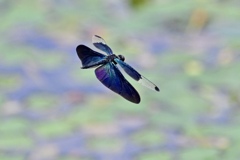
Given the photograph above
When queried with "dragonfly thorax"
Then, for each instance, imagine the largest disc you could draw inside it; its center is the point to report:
(111, 58)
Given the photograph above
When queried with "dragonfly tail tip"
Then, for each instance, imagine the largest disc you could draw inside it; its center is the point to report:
(157, 89)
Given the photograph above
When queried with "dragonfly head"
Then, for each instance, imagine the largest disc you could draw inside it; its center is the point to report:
(121, 57)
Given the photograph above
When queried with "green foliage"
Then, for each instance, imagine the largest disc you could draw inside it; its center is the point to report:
(200, 154)
(148, 138)
(154, 156)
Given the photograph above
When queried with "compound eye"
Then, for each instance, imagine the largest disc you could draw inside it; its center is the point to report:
(121, 57)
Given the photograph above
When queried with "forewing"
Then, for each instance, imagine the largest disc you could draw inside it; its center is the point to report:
(112, 78)
(136, 76)
(99, 43)
(88, 56)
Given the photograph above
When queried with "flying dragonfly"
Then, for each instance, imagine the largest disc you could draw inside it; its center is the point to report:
(108, 73)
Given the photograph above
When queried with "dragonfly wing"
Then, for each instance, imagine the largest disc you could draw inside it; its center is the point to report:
(112, 78)
(89, 57)
(136, 76)
(99, 43)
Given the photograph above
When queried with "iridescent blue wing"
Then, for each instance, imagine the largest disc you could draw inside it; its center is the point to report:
(112, 78)
(136, 76)
(89, 57)
(99, 43)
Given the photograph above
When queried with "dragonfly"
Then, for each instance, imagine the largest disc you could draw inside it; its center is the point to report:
(107, 71)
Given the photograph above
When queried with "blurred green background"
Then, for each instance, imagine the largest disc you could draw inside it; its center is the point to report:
(51, 109)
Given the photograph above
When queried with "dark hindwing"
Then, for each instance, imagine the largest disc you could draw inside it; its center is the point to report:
(112, 78)
(88, 56)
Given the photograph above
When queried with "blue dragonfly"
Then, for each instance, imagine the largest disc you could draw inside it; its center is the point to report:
(108, 73)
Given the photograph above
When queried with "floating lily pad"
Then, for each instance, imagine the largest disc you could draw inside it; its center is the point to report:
(200, 154)
(105, 144)
(148, 137)
(10, 82)
(42, 101)
(55, 128)
(154, 156)
(16, 140)
(14, 125)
